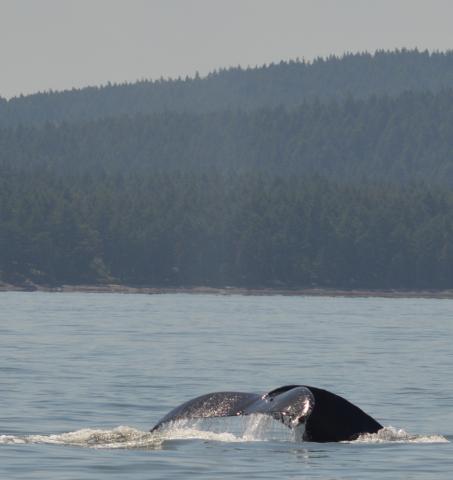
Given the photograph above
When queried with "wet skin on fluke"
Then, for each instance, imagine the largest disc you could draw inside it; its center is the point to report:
(326, 417)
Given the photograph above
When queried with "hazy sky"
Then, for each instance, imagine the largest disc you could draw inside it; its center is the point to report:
(58, 44)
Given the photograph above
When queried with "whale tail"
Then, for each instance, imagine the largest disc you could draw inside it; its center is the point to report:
(327, 417)
(335, 419)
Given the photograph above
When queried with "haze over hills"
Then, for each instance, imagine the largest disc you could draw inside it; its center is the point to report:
(399, 140)
(287, 84)
(335, 173)
(382, 117)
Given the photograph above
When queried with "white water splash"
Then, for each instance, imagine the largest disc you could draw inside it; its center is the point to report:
(241, 429)
(11, 440)
(253, 428)
(120, 437)
(188, 433)
(264, 428)
(394, 435)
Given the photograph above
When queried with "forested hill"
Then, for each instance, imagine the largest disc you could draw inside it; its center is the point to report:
(286, 84)
(249, 230)
(393, 140)
(336, 173)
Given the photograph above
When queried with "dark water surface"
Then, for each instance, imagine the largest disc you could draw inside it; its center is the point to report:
(83, 377)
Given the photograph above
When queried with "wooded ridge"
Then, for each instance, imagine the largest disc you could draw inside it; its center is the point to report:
(336, 173)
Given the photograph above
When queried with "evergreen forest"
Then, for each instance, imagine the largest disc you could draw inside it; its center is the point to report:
(336, 173)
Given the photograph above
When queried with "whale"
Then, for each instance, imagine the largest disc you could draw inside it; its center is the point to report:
(322, 415)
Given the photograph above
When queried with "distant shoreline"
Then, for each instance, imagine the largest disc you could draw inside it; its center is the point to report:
(309, 292)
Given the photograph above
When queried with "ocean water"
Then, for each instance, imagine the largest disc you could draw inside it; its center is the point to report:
(83, 377)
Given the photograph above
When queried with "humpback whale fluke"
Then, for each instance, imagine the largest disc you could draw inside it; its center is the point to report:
(327, 417)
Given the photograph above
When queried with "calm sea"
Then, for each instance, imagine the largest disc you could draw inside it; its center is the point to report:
(83, 378)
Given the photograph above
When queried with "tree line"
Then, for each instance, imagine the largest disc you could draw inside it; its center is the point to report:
(403, 139)
(285, 84)
(216, 228)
